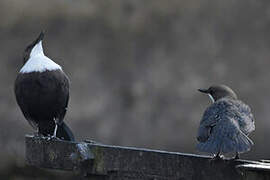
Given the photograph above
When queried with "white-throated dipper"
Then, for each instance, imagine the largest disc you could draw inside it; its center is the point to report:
(226, 124)
(42, 92)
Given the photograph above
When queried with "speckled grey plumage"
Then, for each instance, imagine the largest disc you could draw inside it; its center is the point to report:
(225, 127)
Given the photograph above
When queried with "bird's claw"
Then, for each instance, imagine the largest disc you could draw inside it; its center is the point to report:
(236, 156)
(49, 138)
(217, 157)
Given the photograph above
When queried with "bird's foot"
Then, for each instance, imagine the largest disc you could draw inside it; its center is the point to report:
(50, 138)
(217, 157)
(237, 156)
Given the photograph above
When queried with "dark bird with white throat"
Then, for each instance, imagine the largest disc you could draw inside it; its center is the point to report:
(42, 92)
(226, 123)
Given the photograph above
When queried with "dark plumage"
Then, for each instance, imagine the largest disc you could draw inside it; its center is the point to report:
(42, 93)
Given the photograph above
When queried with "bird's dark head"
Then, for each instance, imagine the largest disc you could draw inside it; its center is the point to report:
(27, 51)
(217, 92)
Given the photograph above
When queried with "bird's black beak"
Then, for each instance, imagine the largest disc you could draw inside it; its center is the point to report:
(37, 40)
(40, 38)
(28, 49)
(203, 91)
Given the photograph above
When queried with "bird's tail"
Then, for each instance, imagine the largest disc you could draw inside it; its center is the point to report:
(226, 142)
(238, 143)
(241, 143)
(64, 132)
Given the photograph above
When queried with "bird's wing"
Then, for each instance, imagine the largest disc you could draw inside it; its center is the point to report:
(64, 88)
(18, 89)
(226, 137)
(245, 118)
(223, 127)
(211, 117)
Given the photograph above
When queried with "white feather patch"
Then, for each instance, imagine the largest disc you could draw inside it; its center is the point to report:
(211, 97)
(38, 62)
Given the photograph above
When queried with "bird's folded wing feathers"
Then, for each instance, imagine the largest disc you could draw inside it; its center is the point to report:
(246, 120)
(226, 137)
(212, 114)
(210, 118)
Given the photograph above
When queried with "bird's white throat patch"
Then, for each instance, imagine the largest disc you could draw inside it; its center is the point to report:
(211, 97)
(38, 62)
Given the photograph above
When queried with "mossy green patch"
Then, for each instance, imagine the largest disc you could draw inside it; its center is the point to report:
(98, 165)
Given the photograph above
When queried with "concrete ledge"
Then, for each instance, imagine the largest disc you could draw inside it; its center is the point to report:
(100, 161)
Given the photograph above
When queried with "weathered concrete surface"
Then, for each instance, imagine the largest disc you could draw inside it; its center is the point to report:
(112, 162)
(259, 171)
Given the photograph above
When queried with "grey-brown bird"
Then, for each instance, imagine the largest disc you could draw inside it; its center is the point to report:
(225, 124)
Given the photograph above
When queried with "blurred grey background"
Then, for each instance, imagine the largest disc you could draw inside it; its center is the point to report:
(135, 67)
